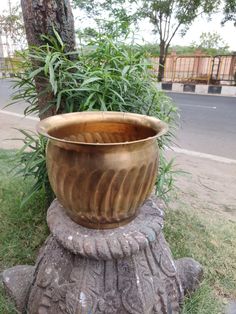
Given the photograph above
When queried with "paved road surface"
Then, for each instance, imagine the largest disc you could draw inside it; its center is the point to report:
(9, 123)
(208, 123)
(5, 92)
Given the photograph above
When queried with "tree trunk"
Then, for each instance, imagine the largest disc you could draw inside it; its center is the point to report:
(162, 60)
(40, 16)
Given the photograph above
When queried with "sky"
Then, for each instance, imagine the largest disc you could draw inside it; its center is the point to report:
(227, 32)
(200, 25)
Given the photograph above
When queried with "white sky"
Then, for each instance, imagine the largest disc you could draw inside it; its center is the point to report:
(200, 25)
(228, 32)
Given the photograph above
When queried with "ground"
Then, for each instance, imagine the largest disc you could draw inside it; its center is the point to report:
(201, 223)
(200, 218)
(194, 227)
(207, 187)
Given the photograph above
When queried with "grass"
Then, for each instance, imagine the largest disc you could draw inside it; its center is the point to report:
(210, 240)
(22, 230)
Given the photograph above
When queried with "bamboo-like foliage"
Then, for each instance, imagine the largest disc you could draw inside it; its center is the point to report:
(31, 163)
(103, 75)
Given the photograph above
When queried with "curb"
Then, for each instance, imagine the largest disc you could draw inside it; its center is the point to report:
(200, 89)
(202, 155)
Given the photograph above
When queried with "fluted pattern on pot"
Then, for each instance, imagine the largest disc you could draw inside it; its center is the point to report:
(102, 165)
(113, 195)
(101, 137)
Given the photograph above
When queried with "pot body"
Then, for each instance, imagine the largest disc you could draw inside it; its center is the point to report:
(102, 186)
(102, 165)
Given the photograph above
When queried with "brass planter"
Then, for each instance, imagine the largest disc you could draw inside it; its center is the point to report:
(102, 165)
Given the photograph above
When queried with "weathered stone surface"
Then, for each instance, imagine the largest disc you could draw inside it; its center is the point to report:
(127, 270)
(17, 281)
(190, 273)
(111, 243)
(142, 283)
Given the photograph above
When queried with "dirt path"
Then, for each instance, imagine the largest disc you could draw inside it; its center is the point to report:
(209, 186)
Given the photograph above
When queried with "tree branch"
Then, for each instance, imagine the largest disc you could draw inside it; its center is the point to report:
(173, 34)
(168, 20)
(160, 25)
(165, 27)
(180, 23)
(155, 21)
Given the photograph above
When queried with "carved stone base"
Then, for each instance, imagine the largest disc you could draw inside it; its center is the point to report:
(127, 270)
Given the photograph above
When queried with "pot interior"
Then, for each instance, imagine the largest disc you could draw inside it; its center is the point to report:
(102, 132)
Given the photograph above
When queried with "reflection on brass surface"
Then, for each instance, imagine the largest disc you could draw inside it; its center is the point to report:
(102, 165)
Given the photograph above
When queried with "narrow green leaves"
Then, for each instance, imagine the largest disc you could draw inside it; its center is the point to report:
(103, 75)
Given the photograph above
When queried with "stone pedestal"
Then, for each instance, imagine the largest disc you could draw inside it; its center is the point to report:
(127, 270)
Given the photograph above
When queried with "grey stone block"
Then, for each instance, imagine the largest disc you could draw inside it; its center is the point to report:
(231, 308)
(214, 89)
(189, 88)
(166, 86)
(17, 281)
(190, 273)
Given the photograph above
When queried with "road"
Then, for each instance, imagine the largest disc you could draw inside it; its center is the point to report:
(5, 95)
(207, 123)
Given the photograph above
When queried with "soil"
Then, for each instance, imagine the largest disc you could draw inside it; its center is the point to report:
(208, 186)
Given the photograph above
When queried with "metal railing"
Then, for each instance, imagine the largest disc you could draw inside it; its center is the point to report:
(193, 69)
(199, 69)
(224, 68)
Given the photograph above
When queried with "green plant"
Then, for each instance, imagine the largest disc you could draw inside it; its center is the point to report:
(203, 301)
(165, 181)
(103, 75)
(31, 158)
(23, 230)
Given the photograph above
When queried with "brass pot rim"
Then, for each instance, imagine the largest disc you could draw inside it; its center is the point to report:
(44, 126)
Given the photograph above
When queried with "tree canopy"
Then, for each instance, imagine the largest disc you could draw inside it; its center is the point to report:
(167, 16)
(212, 43)
(229, 11)
(12, 27)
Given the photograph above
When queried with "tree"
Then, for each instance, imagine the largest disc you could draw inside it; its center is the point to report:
(229, 11)
(167, 17)
(110, 16)
(42, 18)
(212, 43)
(170, 16)
(12, 27)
